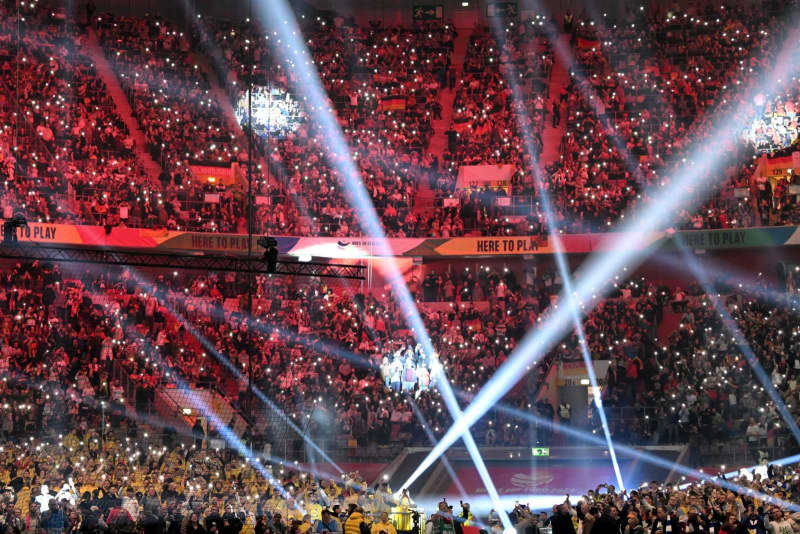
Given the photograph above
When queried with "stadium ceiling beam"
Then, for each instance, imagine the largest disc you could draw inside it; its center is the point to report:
(175, 260)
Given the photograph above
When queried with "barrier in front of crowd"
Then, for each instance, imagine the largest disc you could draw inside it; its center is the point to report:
(365, 248)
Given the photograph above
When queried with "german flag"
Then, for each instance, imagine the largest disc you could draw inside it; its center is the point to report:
(393, 103)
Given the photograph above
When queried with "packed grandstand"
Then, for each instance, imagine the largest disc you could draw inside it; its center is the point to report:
(70, 156)
(141, 399)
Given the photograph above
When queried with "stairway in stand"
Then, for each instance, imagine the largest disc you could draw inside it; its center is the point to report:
(446, 96)
(123, 107)
(670, 322)
(551, 137)
(425, 196)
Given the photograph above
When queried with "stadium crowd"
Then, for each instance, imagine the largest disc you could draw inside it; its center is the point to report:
(703, 383)
(384, 84)
(182, 122)
(635, 104)
(75, 483)
(68, 343)
(697, 507)
(350, 360)
(61, 133)
(654, 79)
(593, 182)
(84, 353)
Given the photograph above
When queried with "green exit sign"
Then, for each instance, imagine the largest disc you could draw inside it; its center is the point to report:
(540, 451)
